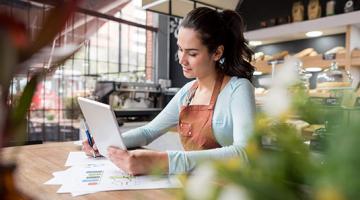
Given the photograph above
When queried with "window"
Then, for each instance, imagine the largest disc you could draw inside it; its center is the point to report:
(110, 51)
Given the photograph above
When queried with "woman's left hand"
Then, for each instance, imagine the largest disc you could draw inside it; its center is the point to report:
(139, 161)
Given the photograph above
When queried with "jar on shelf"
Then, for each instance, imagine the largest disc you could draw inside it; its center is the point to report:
(330, 7)
(314, 9)
(297, 11)
(334, 77)
(304, 76)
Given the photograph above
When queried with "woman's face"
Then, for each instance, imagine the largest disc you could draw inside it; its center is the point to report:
(194, 57)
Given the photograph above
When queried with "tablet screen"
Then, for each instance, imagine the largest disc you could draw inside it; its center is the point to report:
(102, 125)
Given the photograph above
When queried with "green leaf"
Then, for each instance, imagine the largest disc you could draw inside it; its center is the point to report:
(19, 111)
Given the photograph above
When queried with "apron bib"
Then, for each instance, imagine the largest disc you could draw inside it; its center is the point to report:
(195, 121)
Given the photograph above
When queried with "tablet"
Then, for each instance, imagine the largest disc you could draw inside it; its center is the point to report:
(102, 125)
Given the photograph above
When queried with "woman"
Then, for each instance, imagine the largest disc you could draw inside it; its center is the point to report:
(214, 114)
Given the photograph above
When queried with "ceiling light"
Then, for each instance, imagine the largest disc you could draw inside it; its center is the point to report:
(313, 69)
(314, 34)
(255, 43)
(257, 73)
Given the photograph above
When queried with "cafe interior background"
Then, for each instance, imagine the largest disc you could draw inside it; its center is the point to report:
(128, 56)
(127, 59)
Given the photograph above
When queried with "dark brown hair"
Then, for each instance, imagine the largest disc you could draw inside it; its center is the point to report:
(223, 28)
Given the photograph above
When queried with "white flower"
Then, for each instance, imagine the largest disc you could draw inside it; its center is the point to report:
(200, 185)
(278, 100)
(234, 192)
(287, 74)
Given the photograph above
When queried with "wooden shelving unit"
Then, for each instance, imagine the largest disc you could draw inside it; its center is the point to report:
(315, 61)
(355, 58)
(328, 25)
(348, 23)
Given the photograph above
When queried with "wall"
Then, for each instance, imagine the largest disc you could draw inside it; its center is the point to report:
(162, 49)
(176, 74)
(255, 11)
(321, 45)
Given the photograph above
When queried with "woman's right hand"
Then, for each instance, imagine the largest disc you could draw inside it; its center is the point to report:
(90, 151)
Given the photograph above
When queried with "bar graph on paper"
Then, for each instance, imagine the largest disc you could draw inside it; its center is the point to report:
(89, 175)
(92, 177)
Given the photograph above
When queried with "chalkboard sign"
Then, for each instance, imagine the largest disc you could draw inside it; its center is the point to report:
(176, 74)
(317, 100)
(327, 101)
(332, 101)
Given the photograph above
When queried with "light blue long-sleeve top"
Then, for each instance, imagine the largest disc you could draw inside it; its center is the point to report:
(232, 123)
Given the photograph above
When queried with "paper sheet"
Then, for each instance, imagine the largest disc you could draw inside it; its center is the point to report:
(89, 175)
(59, 178)
(105, 177)
(80, 158)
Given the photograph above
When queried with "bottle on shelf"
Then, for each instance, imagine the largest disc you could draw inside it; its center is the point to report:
(297, 11)
(314, 9)
(330, 7)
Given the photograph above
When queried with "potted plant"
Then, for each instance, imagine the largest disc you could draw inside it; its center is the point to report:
(16, 54)
(287, 169)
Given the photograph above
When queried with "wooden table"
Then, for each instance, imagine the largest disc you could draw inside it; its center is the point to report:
(36, 163)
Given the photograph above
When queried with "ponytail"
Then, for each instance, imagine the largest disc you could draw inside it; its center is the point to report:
(223, 28)
(237, 55)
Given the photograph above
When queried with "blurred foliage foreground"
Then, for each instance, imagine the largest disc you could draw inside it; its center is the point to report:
(287, 169)
(20, 52)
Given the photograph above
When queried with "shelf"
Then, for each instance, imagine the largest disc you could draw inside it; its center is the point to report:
(318, 61)
(355, 58)
(355, 53)
(139, 90)
(314, 61)
(355, 62)
(329, 25)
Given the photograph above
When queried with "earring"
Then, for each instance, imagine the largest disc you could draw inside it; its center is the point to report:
(222, 61)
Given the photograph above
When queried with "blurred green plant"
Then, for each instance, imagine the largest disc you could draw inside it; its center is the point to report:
(17, 52)
(72, 108)
(286, 169)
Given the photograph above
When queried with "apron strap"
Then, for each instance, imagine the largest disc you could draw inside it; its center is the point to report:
(216, 90)
(191, 93)
(214, 95)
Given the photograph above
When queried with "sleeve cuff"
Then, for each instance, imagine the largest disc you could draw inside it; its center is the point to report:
(178, 162)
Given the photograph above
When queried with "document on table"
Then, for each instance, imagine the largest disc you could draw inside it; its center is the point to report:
(89, 175)
(80, 158)
(108, 177)
(59, 178)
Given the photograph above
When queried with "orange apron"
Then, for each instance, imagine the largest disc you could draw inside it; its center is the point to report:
(195, 121)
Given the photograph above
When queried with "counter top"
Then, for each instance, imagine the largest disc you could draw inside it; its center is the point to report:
(36, 163)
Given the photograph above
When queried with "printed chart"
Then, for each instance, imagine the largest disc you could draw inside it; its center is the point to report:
(93, 177)
(123, 180)
(87, 175)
